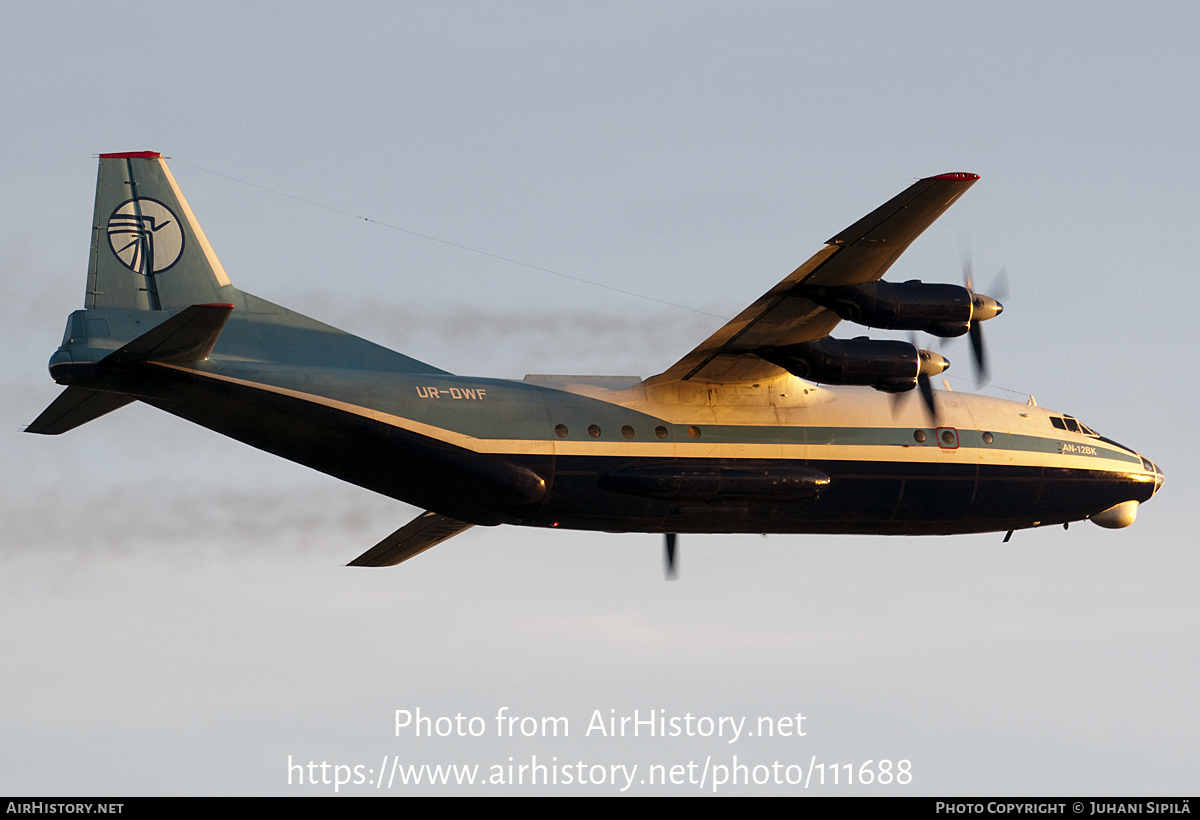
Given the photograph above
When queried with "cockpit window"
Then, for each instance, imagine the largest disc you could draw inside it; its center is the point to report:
(1074, 425)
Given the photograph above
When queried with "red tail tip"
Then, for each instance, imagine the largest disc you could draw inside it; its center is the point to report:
(133, 155)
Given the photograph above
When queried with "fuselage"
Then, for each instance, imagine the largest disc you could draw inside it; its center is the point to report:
(563, 452)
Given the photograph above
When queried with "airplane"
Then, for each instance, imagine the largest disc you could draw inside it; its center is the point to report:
(768, 426)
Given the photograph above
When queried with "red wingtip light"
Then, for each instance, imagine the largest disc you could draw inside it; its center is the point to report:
(133, 155)
(958, 177)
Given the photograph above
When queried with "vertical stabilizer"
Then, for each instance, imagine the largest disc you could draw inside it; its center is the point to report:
(148, 251)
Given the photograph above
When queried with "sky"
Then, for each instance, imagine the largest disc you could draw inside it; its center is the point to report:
(439, 178)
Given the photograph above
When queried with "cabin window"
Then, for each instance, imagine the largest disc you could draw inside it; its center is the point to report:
(627, 431)
(660, 431)
(560, 430)
(694, 432)
(919, 436)
(987, 438)
(593, 431)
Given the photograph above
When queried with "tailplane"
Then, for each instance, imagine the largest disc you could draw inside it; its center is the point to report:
(76, 406)
(186, 337)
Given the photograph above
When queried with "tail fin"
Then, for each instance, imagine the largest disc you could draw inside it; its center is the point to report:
(149, 254)
(148, 251)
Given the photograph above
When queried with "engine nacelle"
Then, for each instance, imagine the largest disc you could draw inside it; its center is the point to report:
(943, 310)
(885, 365)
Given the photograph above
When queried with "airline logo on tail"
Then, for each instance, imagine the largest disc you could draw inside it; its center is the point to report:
(145, 235)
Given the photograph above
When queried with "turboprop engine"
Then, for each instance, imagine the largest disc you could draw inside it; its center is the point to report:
(943, 310)
(890, 366)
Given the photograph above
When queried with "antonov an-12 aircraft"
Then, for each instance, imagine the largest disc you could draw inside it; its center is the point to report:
(769, 426)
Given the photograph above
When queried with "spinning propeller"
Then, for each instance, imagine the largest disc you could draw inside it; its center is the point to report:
(928, 364)
(982, 309)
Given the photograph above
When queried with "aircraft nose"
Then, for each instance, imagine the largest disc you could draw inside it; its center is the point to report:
(1151, 467)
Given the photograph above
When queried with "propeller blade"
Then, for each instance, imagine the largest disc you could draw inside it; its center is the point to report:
(927, 393)
(964, 255)
(669, 569)
(999, 289)
(981, 368)
(928, 364)
(989, 307)
(925, 388)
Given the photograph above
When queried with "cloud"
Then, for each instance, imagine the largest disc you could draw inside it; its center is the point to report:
(67, 526)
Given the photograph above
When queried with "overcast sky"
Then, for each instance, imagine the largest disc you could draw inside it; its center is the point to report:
(176, 619)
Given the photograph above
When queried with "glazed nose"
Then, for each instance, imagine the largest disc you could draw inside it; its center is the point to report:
(1153, 468)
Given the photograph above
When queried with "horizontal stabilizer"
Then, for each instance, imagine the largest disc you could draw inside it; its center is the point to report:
(188, 336)
(76, 406)
(426, 530)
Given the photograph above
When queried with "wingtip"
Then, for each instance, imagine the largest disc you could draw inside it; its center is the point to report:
(959, 177)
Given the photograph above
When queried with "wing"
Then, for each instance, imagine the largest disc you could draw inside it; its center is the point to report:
(861, 253)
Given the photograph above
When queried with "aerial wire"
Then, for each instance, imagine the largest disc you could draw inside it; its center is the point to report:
(980, 385)
(467, 248)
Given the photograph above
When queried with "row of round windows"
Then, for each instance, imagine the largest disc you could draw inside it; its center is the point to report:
(561, 431)
(949, 437)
